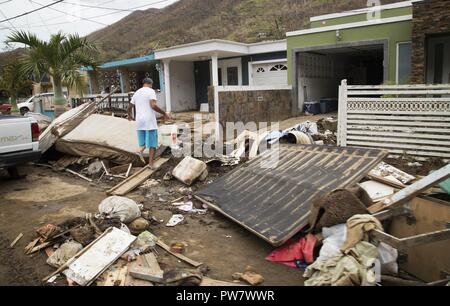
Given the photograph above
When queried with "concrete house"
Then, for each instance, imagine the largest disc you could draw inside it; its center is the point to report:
(364, 46)
(190, 69)
(182, 74)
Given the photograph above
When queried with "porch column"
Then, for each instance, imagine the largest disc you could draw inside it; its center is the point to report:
(122, 84)
(215, 83)
(167, 85)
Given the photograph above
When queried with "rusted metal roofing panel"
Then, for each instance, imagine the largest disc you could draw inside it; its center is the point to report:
(275, 203)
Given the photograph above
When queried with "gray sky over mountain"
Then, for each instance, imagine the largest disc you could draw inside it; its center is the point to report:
(69, 16)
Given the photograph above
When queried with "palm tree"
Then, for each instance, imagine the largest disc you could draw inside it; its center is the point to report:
(13, 81)
(60, 57)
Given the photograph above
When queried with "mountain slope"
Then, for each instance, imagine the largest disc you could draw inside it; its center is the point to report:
(193, 20)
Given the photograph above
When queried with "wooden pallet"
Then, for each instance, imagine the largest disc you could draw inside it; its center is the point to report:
(135, 180)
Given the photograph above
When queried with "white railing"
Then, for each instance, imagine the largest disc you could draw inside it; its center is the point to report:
(404, 119)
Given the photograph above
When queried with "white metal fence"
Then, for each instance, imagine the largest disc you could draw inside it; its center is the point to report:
(405, 119)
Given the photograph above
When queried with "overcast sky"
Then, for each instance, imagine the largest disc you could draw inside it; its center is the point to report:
(69, 16)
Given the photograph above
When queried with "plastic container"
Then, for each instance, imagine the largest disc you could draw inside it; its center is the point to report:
(168, 135)
(312, 107)
(328, 105)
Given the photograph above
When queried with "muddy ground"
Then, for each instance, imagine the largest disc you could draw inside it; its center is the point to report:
(46, 196)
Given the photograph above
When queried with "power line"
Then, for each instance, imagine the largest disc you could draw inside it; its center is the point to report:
(32, 11)
(5, 1)
(133, 9)
(100, 7)
(52, 8)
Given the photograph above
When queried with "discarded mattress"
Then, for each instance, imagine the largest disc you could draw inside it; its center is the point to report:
(105, 137)
(64, 124)
(275, 203)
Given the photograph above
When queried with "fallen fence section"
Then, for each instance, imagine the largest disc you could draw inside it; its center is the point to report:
(405, 119)
(275, 203)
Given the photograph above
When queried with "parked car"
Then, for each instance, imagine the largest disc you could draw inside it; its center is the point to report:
(32, 104)
(19, 142)
(5, 108)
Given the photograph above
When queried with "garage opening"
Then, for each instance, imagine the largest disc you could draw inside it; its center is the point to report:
(320, 72)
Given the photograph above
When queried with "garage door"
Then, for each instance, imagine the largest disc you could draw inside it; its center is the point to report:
(270, 74)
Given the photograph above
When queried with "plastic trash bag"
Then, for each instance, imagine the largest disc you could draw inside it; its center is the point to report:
(123, 208)
(335, 237)
(388, 259)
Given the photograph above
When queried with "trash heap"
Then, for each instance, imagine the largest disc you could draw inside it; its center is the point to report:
(111, 248)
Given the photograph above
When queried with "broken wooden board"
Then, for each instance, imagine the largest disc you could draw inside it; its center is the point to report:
(135, 180)
(209, 282)
(413, 190)
(152, 272)
(426, 261)
(179, 256)
(99, 256)
(275, 202)
(134, 282)
(16, 240)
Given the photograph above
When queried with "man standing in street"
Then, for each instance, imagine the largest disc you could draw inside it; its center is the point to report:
(144, 101)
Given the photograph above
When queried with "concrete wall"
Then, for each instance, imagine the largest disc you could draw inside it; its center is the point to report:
(431, 17)
(253, 105)
(182, 86)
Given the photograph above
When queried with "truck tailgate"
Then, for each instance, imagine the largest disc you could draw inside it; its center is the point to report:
(15, 134)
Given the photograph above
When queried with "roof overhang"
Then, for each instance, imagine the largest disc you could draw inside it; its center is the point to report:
(364, 10)
(351, 25)
(125, 62)
(204, 50)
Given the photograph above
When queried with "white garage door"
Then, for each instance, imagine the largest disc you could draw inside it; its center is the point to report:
(270, 74)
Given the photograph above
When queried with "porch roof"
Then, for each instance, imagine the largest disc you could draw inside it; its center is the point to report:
(124, 62)
(203, 50)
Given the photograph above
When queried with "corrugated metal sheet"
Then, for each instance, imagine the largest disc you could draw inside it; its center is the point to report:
(275, 203)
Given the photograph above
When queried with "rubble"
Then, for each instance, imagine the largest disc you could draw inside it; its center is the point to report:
(188, 170)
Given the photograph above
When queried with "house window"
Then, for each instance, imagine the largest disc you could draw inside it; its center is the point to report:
(279, 67)
(260, 70)
(438, 63)
(232, 76)
(403, 63)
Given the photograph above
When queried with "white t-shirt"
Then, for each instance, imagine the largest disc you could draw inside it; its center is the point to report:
(145, 115)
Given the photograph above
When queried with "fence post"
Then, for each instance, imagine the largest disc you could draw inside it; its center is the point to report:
(342, 115)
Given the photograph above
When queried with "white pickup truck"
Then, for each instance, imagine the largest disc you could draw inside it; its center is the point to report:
(19, 142)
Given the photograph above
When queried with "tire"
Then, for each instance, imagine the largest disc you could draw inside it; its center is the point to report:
(14, 173)
(24, 110)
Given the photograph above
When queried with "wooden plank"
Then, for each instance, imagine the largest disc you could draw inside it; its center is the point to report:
(64, 267)
(209, 282)
(413, 190)
(79, 175)
(427, 238)
(135, 180)
(383, 180)
(16, 240)
(150, 272)
(179, 256)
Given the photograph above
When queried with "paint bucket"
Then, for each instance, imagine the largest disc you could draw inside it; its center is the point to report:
(168, 135)
(297, 137)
